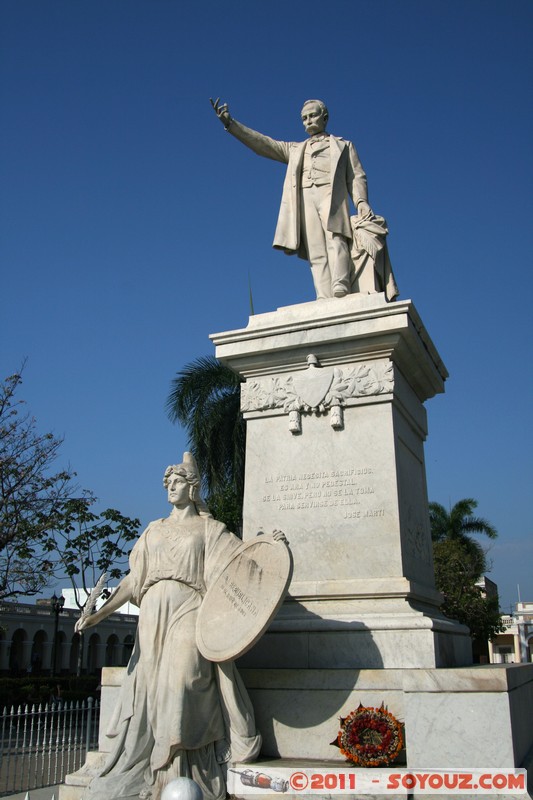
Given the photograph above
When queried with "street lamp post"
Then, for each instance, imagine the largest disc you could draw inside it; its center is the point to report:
(56, 604)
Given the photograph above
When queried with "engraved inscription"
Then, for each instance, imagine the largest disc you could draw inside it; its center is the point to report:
(242, 602)
(351, 489)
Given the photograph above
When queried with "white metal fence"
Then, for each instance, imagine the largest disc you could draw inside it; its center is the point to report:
(42, 744)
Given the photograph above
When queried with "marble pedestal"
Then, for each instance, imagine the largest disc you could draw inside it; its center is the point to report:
(463, 719)
(478, 716)
(333, 400)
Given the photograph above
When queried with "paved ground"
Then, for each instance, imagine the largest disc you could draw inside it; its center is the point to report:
(36, 794)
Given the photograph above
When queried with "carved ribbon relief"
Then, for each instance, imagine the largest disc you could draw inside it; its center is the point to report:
(316, 390)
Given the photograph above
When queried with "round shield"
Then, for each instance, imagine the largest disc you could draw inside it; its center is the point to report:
(241, 602)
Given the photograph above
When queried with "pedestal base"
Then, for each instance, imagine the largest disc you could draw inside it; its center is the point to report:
(465, 717)
(390, 634)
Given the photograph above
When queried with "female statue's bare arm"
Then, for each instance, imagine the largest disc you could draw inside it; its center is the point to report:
(123, 594)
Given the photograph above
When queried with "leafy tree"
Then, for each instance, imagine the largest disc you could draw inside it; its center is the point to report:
(31, 495)
(458, 525)
(459, 562)
(226, 506)
(84, 544)
(205, 399)
(46, 532)
(456, 573)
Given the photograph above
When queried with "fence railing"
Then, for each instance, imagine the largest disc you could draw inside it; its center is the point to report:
(42, 744)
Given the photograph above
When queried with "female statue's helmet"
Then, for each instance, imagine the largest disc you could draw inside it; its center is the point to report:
(188, 470)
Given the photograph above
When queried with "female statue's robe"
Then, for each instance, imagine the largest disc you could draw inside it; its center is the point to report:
(175, 705)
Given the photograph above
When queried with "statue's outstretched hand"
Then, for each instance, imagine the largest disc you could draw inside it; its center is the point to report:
(221, 110)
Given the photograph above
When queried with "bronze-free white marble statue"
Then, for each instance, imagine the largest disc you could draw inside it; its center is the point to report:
(323, 173)
(179, 714)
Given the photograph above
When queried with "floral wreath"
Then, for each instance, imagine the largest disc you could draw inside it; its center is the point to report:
(370, 736)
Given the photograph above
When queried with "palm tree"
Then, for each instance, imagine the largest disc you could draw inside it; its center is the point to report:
(457, 525)
(459, 562)
(205, 399)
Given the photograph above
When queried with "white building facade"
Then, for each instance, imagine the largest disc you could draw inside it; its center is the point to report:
(515, 644)
(28, 634)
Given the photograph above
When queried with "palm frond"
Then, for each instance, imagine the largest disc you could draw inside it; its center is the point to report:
(205, 399)
(459, 523)
(90, 603)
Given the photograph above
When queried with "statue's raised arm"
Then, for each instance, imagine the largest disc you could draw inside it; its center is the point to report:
(323, 174)
(258, 142)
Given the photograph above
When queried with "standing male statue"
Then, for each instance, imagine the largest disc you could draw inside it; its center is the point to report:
(322, 174)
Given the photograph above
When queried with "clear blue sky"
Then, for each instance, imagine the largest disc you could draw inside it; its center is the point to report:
(131, 221)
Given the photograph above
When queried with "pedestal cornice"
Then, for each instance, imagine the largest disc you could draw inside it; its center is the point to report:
(353, 329)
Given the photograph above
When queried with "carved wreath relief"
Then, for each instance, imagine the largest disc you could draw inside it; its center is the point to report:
(317, 390)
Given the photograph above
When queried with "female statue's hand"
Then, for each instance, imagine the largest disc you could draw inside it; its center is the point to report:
(81, 624)
(279, 536)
